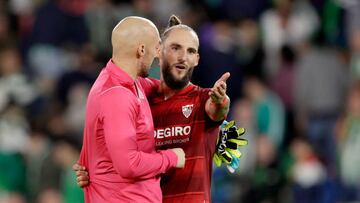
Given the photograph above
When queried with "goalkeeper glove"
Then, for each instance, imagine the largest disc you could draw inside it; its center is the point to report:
(234, 164)
(227, 145)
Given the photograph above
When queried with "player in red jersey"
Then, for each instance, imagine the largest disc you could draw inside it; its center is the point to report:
(184, 115)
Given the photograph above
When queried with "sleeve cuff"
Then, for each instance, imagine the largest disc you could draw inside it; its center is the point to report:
(171, 157)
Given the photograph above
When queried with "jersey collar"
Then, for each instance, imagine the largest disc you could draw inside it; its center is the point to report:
(123, 77)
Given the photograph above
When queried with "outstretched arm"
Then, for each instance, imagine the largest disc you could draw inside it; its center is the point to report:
(217, 106)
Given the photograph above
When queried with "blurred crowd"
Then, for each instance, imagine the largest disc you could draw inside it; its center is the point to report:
(294, 86)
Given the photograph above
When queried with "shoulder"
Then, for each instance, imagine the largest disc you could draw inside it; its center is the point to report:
(118, 101)
(118, 95)
(149, 85)
(116, 89)
(148, 82)
(203, 93)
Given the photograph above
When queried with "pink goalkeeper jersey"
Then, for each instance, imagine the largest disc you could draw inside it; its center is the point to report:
(118, 147)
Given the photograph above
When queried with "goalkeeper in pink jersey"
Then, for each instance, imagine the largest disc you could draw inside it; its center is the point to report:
(185, 116)
(118, 146)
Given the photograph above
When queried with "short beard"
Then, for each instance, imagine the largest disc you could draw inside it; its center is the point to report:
(171, 81)
(144, 72)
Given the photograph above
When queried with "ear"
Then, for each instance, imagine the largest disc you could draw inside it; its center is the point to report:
(141, 50)
(197, 59)
(161, 51)
(158, 51)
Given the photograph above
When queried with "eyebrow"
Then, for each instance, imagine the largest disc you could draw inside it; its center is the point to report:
(178, 45)
(175, 44)
(192, 49)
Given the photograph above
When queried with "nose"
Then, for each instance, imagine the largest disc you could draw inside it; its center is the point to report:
(182, 56)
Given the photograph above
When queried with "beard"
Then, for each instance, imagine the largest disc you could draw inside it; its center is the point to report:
(144, 71)
(170, 79)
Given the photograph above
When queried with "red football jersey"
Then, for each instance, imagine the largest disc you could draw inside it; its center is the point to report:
(181, 121)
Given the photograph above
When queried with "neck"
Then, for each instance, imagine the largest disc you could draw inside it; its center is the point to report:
(126, 65)
(168, 92)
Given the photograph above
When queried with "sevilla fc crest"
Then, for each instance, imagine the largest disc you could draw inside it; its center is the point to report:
(187, 109)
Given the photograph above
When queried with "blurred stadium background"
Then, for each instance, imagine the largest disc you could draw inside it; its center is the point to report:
(295, 70)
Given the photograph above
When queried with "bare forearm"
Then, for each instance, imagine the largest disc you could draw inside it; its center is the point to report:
(217, 106)
(217, 111)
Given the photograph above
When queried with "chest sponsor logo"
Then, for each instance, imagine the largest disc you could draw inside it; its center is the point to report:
(172, 135)
(187, 110)
(172, 131)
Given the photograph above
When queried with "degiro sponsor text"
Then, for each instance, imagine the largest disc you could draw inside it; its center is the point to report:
(172, 131)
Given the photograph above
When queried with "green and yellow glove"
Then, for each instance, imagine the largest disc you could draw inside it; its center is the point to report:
(227, 145)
